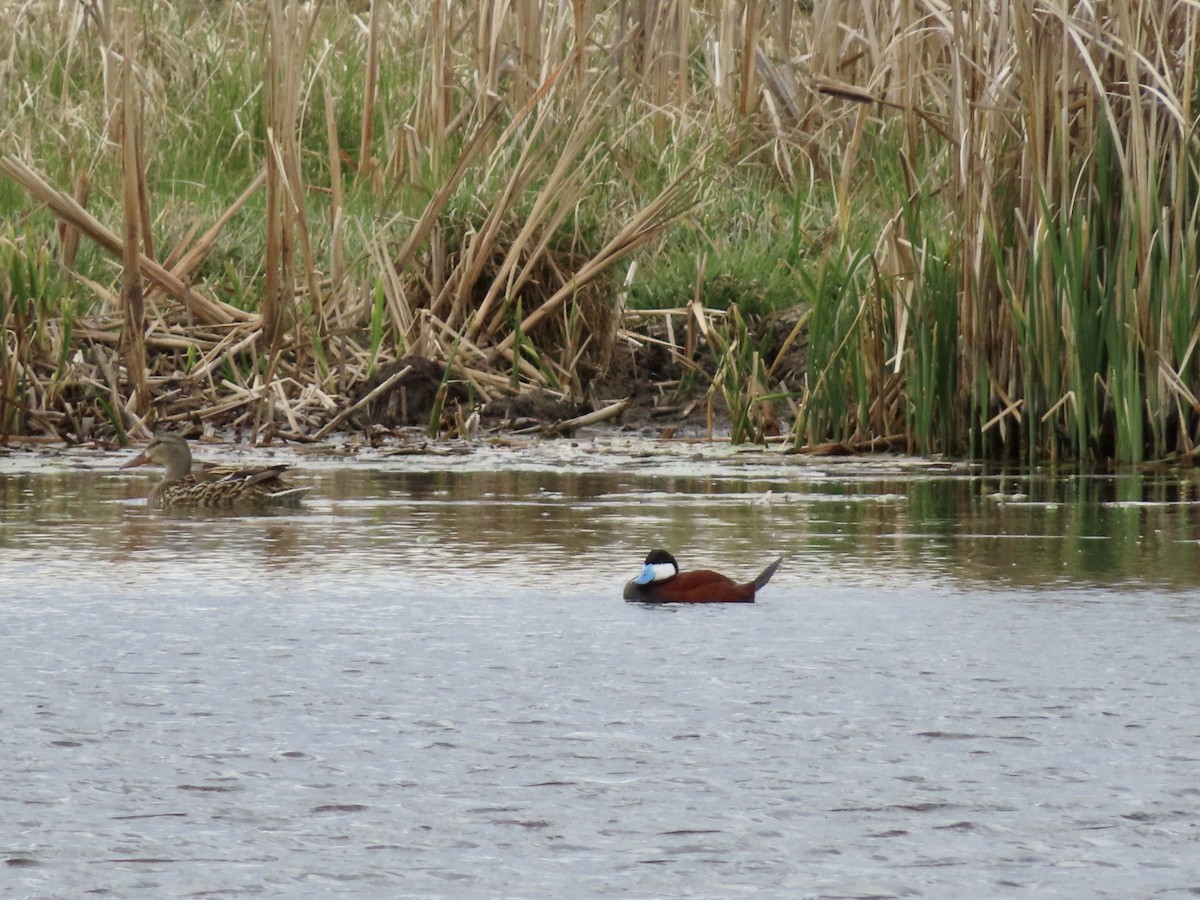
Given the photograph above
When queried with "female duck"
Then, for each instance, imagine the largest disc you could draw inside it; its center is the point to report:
(662, 582)
(214, 487)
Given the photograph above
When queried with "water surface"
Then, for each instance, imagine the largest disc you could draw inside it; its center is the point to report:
(425, 683)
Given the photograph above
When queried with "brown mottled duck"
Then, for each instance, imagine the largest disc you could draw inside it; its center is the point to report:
(215, 487)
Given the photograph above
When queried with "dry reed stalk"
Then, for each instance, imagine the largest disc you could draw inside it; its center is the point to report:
(101, 13)
(580, 31)
(500, 384)
(664, 210)
(370, 96)
(233, 344)
(69, 234)
(287, 50)
(441, 71)
(531, 52)
(437, 203)
(722, 60)
(106, 296)
(207, 311)
(399, 311)
(746, 86)
(708, 312)
(593, 418)
(461, 340)
(378, 391)
(180, 246)
(638, 339)
(444, 343)
(481, 246)
(242, 397)
(282, 401)
(188, 260)
(487, 53)
(558, 194)
(683, 14)
(96, 335)
(695, 318)
(337, 243)
(476, 378)
(133, 175)
(279, 113)
(544, 88)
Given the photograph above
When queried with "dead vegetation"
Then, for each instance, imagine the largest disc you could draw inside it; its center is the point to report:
(434, 316)
(291, 218)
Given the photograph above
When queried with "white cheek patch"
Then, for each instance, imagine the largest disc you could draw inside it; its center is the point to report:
(655, 572)
(663, 571)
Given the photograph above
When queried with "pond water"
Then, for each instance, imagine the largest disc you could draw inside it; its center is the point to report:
(425, 683)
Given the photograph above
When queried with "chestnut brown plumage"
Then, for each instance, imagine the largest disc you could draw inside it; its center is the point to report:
(662, 582)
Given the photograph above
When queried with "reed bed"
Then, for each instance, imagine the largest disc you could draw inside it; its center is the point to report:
(272, 216)
(1034, 294)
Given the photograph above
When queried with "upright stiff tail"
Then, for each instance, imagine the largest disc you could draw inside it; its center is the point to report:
(770, 570)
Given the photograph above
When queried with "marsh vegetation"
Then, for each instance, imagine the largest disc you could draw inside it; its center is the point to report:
(975, 226)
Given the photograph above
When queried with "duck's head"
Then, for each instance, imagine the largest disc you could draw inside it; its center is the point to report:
(169, 451)
(659, 566)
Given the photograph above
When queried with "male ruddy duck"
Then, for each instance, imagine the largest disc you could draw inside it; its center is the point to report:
(662, 582)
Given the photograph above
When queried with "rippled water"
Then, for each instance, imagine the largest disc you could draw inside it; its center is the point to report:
(425, 683)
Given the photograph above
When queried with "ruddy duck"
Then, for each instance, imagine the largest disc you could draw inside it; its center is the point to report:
(662, 582)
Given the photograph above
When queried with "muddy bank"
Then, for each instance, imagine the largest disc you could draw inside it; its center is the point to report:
(650, 384)
(664, 377)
